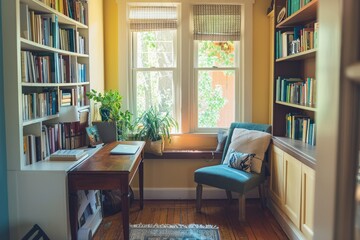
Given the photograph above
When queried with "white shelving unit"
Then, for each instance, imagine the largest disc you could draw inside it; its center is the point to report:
(38, 191)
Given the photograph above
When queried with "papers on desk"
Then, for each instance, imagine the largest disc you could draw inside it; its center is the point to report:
(68, 155)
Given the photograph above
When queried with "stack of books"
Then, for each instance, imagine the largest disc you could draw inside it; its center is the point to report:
(68, 155)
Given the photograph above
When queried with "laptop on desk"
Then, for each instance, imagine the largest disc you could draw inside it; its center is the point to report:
(124, 149)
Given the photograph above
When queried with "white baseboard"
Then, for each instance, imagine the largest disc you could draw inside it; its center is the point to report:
(188, 193)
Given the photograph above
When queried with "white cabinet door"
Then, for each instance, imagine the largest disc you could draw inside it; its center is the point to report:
(307, 201)
(277, 176)
(292, 194)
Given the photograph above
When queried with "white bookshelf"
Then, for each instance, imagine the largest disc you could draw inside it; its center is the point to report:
(37, 191)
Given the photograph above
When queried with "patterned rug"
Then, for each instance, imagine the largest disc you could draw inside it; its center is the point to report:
(174, 232)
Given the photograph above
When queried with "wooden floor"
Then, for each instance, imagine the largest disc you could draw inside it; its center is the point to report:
(259, 224)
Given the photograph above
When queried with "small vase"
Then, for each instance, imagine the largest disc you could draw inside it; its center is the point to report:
(105, 114)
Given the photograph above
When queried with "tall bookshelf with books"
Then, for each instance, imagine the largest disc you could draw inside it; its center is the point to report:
(46, 72)
(294, 114)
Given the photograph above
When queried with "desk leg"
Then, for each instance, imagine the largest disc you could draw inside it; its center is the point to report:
(125, 206)
(73, 208)
(141, 184)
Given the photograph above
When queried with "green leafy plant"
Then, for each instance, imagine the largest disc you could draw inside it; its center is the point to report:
(153, 125)
(110, 110)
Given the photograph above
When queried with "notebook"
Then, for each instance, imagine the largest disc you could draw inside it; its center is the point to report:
(124, 149)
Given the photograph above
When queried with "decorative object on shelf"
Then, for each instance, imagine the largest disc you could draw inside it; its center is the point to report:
(281, 16)
(154, 127)
(110, 110)
(94, 136)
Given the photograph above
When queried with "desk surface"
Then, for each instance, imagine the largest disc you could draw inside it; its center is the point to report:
(103, 161)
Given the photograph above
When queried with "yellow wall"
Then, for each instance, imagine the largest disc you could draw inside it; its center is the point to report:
(178, 173)
(111, 34)
(261, 65)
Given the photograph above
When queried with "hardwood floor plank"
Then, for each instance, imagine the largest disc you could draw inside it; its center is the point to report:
(259, 224)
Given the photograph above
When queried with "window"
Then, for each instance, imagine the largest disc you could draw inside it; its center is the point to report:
(216, 70)
(216, 66)
(202, 73)
(154, 65)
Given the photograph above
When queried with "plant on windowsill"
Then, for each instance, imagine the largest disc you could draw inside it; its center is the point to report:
(110, 110)
(154, 128)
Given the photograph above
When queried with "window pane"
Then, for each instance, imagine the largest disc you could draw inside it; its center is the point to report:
(216, 98)
(154, 88)
(219, 54)
(155, 49)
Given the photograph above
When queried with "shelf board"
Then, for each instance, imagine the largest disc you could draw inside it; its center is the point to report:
(306, 13)
(24, 84)
(299, 56)
(296, 106)
(41, 7)
(37, 120)
(304, 152)
(30, 45)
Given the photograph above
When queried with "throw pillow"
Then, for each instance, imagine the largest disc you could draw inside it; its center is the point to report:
(249, 141)
(241, 161)
(221, 137)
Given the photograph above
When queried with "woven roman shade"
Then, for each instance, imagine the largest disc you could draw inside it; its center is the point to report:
(217, 22)
(152, 18)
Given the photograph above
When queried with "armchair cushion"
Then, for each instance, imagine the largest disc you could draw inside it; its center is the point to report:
(222, 176)
(249, 141)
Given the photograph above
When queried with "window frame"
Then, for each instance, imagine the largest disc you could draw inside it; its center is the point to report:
(185, 60)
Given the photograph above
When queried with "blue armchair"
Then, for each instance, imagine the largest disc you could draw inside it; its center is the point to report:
(230, 179)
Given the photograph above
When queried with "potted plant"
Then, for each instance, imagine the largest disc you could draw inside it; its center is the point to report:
(110, 110)
(154, 127)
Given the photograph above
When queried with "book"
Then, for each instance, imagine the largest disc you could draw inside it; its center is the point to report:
(24, 21)
(68, 155)
(316, 34)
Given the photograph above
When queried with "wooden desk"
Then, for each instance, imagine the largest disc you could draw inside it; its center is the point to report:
(103, 171)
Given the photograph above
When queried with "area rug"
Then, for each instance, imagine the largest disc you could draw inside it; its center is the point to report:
(174, 232)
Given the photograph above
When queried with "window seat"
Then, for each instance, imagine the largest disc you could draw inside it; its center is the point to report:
(186, 154)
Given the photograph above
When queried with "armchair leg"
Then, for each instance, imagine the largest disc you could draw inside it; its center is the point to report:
(262, 195)
(229, 196)
(198, 197)
(242, 207)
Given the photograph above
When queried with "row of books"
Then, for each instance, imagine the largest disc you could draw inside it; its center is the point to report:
(73, 97)
(65, 136)
(70, 40)
(32, 149)
(296, 90)
(40, 28)
(40, 67)
(37, 105)
(293, 6)
(298, 40)
(300, 127)
(74, 9)
(45, 29)
(53, 137)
